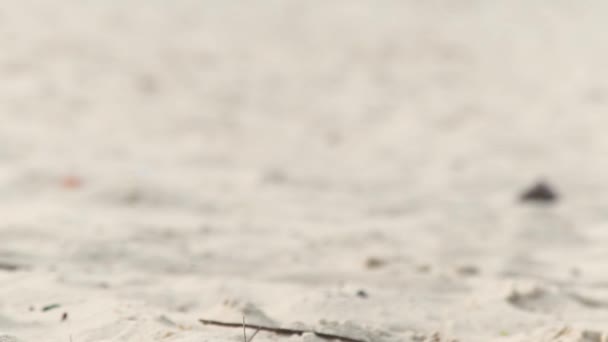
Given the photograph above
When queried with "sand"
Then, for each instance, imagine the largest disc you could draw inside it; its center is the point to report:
(351, 167)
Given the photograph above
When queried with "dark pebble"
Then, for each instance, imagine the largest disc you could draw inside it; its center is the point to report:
(539, 192)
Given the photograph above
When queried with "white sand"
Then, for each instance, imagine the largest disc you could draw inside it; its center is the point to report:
(252, 156)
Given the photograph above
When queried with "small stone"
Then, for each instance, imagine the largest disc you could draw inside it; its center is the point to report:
(539, 192)
(374, 263)
(362, 294)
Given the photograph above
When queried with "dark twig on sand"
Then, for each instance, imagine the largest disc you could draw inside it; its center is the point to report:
(279, 331)
(252, 336)
(50, 307)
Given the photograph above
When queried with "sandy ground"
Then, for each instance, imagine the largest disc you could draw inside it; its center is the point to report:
(346, 166)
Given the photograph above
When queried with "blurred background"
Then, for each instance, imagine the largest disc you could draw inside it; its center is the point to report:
(248, 145)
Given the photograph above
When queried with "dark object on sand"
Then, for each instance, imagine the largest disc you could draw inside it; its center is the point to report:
(281, 331)
(373, 263)
(64, 317)
(50, 307)
(540, 192)
(362, 294)
(9, 267)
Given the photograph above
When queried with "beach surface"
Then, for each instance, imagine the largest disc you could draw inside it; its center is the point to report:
(351, 168)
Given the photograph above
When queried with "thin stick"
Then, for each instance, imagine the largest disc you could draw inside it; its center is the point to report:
(244, 330)
(252, 336)
(280, 331)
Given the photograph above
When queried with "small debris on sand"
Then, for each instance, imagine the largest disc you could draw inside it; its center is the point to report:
(539, 192)
(373, 263)
(9, 267)
(50, 307)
